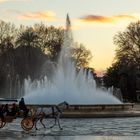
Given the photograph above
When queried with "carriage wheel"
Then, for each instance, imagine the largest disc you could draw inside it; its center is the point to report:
(27, 123)
(2, 123)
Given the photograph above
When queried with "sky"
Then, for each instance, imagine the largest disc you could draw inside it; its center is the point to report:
(94, 22)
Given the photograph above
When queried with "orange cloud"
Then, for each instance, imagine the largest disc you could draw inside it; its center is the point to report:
(106, 19)
(46, 15)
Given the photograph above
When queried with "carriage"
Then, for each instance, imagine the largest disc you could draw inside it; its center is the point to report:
(30, 121)
(27, 123)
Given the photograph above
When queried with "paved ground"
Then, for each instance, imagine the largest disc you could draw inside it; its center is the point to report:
(78, 127)
(74, 138)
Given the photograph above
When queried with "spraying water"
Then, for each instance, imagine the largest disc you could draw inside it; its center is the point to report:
(67, 84)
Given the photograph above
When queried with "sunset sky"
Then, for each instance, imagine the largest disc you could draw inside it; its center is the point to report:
(94, 22)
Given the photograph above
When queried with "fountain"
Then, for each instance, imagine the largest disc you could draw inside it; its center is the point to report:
(67, 84)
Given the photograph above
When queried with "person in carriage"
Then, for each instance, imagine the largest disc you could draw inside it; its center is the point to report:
(1, 112)
(6, 111)
(14, 110)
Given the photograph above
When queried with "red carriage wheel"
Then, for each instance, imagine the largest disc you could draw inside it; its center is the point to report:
(27, 123)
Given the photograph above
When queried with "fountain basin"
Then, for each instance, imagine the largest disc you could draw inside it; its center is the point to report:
(97, 111)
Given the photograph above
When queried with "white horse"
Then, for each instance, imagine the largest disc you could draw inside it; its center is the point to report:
(54, 112)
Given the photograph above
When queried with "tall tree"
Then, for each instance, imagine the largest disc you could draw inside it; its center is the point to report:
(42, 31)
(51, 39)
(54, 41)
(128, 43)
(8, 33)
(127, 61)
(81, 55)
(28, 38)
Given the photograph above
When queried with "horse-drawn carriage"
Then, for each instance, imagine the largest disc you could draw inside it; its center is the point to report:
(30, 121)
(27, 122)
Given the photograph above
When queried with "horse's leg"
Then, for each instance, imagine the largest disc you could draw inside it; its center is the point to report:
(35, 122)
(58, 118)
(54, 123)
(41, 121)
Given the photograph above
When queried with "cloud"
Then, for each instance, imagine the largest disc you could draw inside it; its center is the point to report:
(42, 15)
(12, 11)
(106, 19)
(2, 1)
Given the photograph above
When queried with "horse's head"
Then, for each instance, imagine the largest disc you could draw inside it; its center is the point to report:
(63, 105)
(66, 104)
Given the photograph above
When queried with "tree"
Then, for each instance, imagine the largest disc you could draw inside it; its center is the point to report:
(8, 33)
(128, 53)
(28, 38)
(42, 31)
(127, 61)
(51, 39)
(128, 43)
(111, 77)
(81, 55)
(54, 42)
